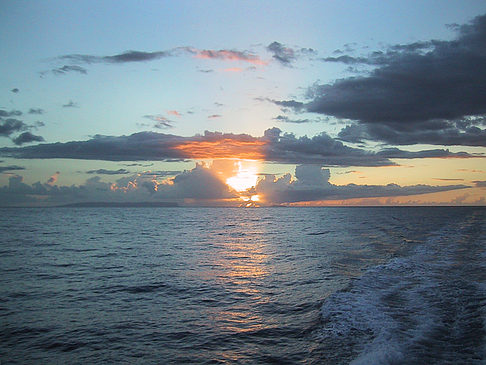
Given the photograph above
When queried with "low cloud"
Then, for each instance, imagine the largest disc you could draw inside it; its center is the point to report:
(312, 184)
(197, 185)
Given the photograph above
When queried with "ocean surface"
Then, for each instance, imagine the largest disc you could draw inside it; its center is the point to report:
(243, 286)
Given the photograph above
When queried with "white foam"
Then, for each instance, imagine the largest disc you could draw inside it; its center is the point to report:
(398, 305)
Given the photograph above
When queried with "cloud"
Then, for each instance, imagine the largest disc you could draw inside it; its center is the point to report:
(12, 113)
(424, 92)
(108, 172)
(174, 113)
(273, 146)
(142, 56)
(11, 168)
(69, 68)
(15, 90)
(161, 121)
(200, 184)
(53, 179)
(286, 55)
(285, 119)
(11, 125)
(71, 104)
(36, 111)
(480, 184)
(312, 184)
(229, 55)
(128, 56)
(27, 137)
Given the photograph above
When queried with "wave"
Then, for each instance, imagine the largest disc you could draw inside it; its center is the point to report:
(428, 307)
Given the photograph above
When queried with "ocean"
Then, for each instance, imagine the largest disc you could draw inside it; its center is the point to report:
(382, 285)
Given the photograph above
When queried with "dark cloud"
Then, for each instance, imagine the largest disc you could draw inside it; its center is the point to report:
(312, 184)
(433, 132)
(128, 56)
(424, 92)
(286, 55)
(11, 168)
(396, 153)
(69, 68)
(291, 104)
(480, 184)
(285, 119)
(27, 137)
(15, 90)
(12, 113)
(71, 104)
(11, 125)
(36, 111)
(108, 172)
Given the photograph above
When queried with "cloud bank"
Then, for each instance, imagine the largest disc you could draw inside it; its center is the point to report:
(203, 185)
(273, 146)
(312, 184)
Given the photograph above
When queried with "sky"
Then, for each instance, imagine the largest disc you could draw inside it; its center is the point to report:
(243, 103)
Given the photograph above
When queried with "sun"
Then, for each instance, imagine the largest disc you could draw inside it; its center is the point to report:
(246, 176)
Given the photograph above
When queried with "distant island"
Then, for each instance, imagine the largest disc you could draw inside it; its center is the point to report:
(120, 205)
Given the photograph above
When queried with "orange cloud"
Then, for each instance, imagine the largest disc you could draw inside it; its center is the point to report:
(233, 69)
(223, 148)
(228, 55)
(174, 112)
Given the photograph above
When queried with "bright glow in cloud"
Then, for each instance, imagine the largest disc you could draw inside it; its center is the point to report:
(246, 177)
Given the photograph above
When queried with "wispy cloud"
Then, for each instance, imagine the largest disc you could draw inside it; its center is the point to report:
(11, 168)
(108, 172)
(70, 104)
(161, 122)
(37, 111)
(229, 55)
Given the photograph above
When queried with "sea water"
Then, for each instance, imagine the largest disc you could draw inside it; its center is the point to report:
(404, 285)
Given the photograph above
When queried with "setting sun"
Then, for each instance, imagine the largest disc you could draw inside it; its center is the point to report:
(246, 176)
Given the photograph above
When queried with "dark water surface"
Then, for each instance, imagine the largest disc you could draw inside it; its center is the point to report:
(224, 285)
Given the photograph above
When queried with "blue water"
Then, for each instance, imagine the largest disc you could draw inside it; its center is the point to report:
(224, 285)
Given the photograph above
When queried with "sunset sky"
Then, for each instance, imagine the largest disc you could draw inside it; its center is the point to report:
(243, 102)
